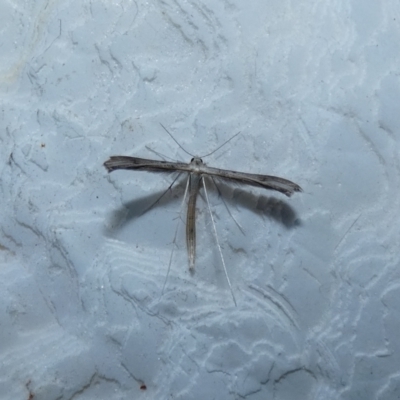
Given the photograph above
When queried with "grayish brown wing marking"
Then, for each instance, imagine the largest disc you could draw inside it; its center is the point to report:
(198, 167)
(125, 162)
(265, 181)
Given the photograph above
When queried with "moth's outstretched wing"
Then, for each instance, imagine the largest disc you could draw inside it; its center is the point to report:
(265, 181)
(143, 164)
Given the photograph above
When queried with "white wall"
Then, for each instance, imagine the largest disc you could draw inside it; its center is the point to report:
(314, 89)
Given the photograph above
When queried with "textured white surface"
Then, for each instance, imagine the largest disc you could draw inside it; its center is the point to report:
(314, 89)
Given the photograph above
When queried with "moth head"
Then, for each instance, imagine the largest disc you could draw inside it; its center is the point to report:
(196, 161)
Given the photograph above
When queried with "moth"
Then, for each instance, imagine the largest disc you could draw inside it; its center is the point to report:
(197, 170)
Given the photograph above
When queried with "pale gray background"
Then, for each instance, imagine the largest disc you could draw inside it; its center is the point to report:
(314, 89)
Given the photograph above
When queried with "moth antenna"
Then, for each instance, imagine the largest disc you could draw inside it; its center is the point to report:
(170, 134)
(222, 145)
